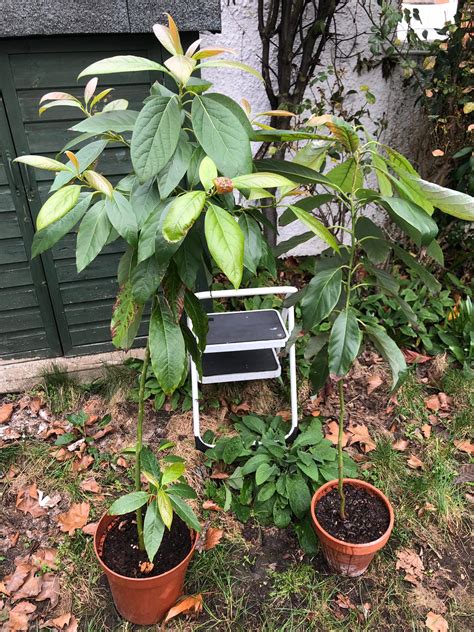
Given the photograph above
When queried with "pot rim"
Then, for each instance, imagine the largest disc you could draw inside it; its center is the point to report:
(357, 482)
(139, 580)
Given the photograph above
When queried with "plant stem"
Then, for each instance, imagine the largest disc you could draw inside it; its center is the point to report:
(340, 462)
(138, 447)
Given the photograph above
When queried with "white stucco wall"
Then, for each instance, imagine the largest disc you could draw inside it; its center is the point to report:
(240, 32)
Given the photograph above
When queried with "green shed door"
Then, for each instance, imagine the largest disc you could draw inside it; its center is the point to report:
(27, 322)
(82, 303)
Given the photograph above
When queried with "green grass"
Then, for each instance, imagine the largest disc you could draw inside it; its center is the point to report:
(61, 391)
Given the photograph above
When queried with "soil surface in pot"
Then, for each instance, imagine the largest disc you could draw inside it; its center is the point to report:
(121, 554)
(367, 516)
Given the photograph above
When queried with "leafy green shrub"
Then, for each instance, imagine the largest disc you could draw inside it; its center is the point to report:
(442, 323)
(272, 481)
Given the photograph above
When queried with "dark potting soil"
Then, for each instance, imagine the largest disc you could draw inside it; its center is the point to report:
(367, 517)
(122, 555)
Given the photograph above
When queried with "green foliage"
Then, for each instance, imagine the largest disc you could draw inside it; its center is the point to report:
(167, 493)
(270, 480)
(443, 322)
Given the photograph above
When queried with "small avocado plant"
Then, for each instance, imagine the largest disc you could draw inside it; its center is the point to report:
(190, 150)
(360, 251)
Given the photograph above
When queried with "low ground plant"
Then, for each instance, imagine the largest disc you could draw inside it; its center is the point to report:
(271, 481)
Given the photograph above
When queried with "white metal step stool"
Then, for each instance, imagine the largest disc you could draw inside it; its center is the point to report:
(241, 345)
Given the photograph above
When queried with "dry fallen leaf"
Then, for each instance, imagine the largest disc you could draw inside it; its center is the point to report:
(61, 455)
(146, 567)
(211, 505)
(444, 401)
(359, 433)
(187, 604)
(213, 537)
(101, 433)
(433, 403)
(58, 622)
(6, 411)
(344, 602)
(426, 430)
(284, 414)
(90, 528)
(49, 589)
(18, 577)
(465, 446)
(401, 445)
(219, 475)
(82, 464)
(31, 587)
(413, 357)
(75, 518)
(20, 616)
(35, 404)
(122, 462)
(436, 622)
(415, 463)
(27, 502)
(331, 433)
(409, 561)
(90, 485)
(373, 382)
(244, 407)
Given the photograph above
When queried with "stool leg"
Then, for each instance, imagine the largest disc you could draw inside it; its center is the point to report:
(199, 443)
(293, 381)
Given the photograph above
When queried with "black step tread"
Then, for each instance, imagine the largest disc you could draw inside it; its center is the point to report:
(251, 326)
(233, 362)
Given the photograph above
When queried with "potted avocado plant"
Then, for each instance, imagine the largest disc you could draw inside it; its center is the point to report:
(175, 212)
(352, 518)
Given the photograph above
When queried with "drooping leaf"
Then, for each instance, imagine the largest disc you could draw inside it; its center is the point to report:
(153, 530)
(380, 169)
(344, 132)
(182, 213)
(221, 135)
(308, 204)
(344, 343)
(129, 502)
(253, 242)
(121, 63)
(121, 216)
(47, 237)
(428, 279)
(155, 136)
(167, 349)
(228, 63)
(299, 495)
(452, 202)
(147, 239)
(188, 258)
(118, 121)
(390, 351)
(291, 243)
(126, 317)
(165, 507)
(225, 241)
(347, 175)
(321, 296)
(372, 240)
(174, 171)
(207, 173)
(198, 316)
(315, 226)
(184, 511)
(192, 174)
(98, 182)
(86, 156)
(57, 205)
(40, 162)
(146, 277)
(144, 198)
(319, 369)
(261, 180)
(292, 171)
(412, 219)
(92, 236)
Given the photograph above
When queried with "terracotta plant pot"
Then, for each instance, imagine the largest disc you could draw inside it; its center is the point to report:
(345, 558)
(143, 601)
